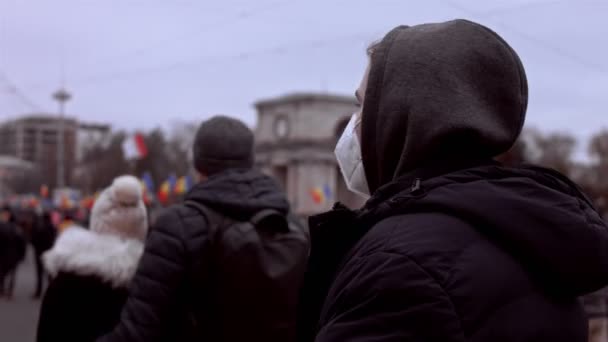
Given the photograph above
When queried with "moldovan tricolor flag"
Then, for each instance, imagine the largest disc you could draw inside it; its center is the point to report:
(134, 147)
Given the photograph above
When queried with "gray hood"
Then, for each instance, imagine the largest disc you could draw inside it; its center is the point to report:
(440, 94)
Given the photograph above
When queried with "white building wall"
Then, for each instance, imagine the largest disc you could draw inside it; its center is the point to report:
(307, 149)
(319, 120)
(307, 121)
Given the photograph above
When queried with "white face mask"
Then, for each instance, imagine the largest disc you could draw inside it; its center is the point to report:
(348, 154)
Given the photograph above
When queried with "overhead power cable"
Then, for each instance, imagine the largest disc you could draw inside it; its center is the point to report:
(13, 90)
(210, 60)
(559, 51)
(224, 22)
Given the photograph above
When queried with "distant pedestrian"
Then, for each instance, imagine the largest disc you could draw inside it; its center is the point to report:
(12, 250)
(92, 269)
(42, 239)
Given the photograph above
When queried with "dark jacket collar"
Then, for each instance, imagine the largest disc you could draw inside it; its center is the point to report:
(240, 193)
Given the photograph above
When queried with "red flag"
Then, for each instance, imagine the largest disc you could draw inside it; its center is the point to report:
(317, 195)
(135, 147)
(140, 142)
(164, 192)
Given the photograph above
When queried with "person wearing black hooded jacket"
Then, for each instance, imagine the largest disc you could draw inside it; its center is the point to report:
(451, 245)
(207, 274)
(12, 250)
(42, 239)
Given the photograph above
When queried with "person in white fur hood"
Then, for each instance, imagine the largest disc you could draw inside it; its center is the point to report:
(92, 269)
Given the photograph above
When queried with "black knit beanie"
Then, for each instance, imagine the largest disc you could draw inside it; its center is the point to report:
(222, 143)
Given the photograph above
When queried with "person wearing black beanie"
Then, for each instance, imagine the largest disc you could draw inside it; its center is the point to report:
(226, 265)
(222, 143)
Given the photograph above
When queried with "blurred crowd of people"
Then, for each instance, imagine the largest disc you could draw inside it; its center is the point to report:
(37, 225)
(18, 229)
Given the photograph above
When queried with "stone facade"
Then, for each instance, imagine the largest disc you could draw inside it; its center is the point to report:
(90, 135)
(295, 136)
(11, 169)
(35, 138)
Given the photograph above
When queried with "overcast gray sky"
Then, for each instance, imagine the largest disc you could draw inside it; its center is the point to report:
(144, 63)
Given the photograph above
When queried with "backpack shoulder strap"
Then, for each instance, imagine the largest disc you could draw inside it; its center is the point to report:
(214, 219)
(260, 216)
(199, 207)
(214, 222)
(271, 218)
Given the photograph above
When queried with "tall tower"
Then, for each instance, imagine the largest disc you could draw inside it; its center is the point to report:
(61, 96)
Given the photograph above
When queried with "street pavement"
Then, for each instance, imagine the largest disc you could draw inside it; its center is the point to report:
(19, 317)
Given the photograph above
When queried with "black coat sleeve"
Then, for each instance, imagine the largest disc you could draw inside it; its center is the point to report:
(388, 297)
(78, 308)
(154, 292)
(58, 311)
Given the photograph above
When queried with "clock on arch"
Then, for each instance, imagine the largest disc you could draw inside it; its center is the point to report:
(281, 127)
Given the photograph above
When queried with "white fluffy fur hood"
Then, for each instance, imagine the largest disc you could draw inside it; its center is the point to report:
(83, 252)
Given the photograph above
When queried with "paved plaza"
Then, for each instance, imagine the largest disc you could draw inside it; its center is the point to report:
(18, 317)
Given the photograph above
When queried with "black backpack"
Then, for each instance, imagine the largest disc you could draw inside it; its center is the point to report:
(257, 270)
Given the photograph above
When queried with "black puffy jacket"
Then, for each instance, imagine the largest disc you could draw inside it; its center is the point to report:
(175, 295)
(487, 253)
(91, 274)
(12, 247)
(451, 247)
